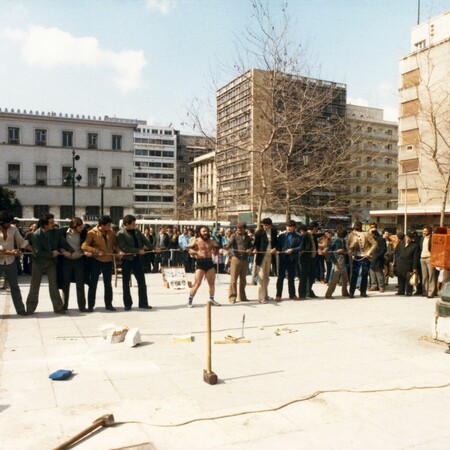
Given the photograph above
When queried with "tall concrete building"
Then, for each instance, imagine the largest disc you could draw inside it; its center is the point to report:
(38, 152)
(155, 171)
(373, 184)
(245, 121)
(424, 133)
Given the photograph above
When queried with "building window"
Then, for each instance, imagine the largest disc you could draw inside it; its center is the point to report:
(41, 137)
(358, 189)
(92, 140)
(369, 204)
(92, 177)
(13, 173)
(13, 135)
(67, 138)
(369, 189)
(369, 174)
(182, 180)
(66, 176)
(116, 213)
(412, 196)
(182, 169)
(420, 45)
(167, 131)
(41, 175)
(40, 209)
(116, 178)
(93, 212)
(65, 211)
(388, 190)
(116, 142)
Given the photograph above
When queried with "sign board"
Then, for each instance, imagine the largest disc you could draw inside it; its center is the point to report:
(174, 277)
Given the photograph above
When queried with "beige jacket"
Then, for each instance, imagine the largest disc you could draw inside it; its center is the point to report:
(360, 243)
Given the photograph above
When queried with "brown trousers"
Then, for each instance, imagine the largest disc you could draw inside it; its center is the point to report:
(238, 269)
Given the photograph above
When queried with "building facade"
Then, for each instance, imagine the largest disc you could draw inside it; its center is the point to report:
(38, 152)
(205, 187)
(189, 147)
(373, 182)
(424, 133)
(249, 111)
(155, 172)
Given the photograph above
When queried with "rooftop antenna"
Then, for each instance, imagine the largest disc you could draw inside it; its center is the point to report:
(418, 12)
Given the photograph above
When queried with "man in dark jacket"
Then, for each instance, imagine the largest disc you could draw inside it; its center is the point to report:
(265, 246)
(407, 260)
(377, 263)
(133, 245)
(47, 244)
(289, 244)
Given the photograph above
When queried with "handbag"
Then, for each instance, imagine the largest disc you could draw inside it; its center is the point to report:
(414, 279)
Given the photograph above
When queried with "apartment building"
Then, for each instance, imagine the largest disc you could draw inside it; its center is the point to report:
(373, 181)
(424, 134)
(155, 171)
(38, 152)
(189, 147)
(245, 123)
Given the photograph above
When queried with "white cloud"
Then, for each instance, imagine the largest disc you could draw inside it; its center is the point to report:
(163, 6)
(390, 114)
(50, 48)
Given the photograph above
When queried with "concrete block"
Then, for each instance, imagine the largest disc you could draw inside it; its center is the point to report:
(133, 337)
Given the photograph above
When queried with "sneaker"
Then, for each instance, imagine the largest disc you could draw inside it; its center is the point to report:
(214, 303)
(190, 305)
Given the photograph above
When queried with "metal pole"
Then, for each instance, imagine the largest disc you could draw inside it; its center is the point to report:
(101, 200)
(73, 182)
(405, 225)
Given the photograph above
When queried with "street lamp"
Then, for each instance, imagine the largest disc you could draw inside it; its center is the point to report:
(404, 172)
(71, 178)
(101, 181)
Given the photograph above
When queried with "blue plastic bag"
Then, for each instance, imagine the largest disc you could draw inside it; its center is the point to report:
(61, 374)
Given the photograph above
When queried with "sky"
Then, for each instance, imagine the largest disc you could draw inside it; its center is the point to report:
(153, 59)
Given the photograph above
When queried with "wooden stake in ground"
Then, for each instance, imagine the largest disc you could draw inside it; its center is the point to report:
(208, 375)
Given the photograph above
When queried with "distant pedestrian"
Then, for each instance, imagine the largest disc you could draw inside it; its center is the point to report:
(337, 250)
(407, 260)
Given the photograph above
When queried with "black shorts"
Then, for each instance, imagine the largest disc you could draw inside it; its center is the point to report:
(205, 265)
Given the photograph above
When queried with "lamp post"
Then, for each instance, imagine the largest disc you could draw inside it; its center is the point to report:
(101, 181)
(73, 179)
(405, 221)
(306, 164)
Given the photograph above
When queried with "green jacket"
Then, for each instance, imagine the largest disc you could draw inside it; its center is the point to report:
(126, 243)
(45, 242)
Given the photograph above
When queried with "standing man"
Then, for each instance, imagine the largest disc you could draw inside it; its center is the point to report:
(429, 287)
(10, 235)
(183, 244)
(74, 265)
(289, 245)
(337, 251)
(360, 246)
(47, 244)
(407, 260)
(203, 248)
(101, 243)
(241, 246)
(133, 245)
(308, 261)
(265, 246)
(162, 241)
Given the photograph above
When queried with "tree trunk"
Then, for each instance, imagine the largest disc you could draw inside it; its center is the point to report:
(288, 204)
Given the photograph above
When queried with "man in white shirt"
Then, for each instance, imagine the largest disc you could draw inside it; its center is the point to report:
(10, 235)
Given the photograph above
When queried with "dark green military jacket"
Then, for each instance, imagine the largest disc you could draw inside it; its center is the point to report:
(126, 243)
(45, 242)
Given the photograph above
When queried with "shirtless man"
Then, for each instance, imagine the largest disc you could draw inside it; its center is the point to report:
(202, 248)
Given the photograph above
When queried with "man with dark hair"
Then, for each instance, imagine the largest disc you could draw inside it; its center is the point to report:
(100, 244)
(337, 251)
(74, 265)
(133, 245)
(308, 260)
(202, 248)
(407, 260)
(360, 246)
(9, 238)
(162, 241)
(47, 245)
(265, 246)
(288, 247)
(429, 286)
(240, 246)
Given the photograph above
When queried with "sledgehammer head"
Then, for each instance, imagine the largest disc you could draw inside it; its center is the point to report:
(209, 377)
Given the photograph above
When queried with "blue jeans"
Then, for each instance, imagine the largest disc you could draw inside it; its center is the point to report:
(363, 265)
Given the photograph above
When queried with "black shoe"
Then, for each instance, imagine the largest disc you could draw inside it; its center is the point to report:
(127, 308)
(60, 311)
(312, 295)
(351, 295)
(66, 306)
(22, 313)
(145, 307)
(244, 300)
(364, 295)
(302, 297)
(110, 308)
(399, 293)
(90, 310)
(82, 309)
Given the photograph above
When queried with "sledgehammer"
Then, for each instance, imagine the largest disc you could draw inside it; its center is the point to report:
(208, 375)
(104, 421)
